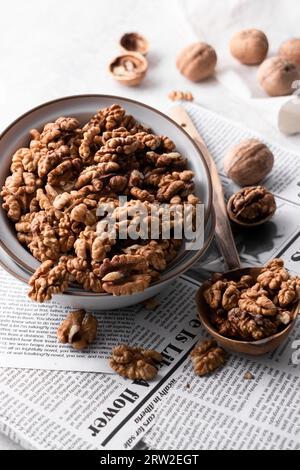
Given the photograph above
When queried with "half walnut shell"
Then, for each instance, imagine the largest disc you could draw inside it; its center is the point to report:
(252, 206)
(129, 69)
(134, 42)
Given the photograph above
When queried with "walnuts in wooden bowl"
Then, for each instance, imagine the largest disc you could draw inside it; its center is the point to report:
(252, 308)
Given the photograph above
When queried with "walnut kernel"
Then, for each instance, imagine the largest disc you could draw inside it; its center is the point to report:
(207, 357)
(135, 363)
(79, 329)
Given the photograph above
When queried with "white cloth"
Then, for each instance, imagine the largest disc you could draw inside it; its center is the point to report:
(215, 22)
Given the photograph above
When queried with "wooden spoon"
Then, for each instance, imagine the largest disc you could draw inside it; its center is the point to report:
(226, 244)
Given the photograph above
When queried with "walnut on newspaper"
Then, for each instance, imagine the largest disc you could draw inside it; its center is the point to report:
(207, 356)
(135, 363)
(79, 329)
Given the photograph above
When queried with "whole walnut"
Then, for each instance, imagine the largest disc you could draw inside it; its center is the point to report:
(290, 50)
(249, 162)
(277, 75)
(197, 61)
(249, 46)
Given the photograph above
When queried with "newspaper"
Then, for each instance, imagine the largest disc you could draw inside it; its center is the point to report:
(55, 398)
(87, 410)
(28, 330)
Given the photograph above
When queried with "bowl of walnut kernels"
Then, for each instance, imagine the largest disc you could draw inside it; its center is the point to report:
(65, 159)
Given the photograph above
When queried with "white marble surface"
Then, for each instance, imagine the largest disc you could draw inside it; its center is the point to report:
(57, 48)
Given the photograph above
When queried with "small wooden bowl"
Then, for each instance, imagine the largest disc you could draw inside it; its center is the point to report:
(237, 221)
(134, 42)
(120, 71)
(254, 348)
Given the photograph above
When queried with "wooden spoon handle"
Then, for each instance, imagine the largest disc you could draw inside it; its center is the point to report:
(224, 236)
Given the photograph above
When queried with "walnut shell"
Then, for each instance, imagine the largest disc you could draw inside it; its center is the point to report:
(276, 76)
(197, 61)
(249, 162)
(129, 69)
(290, 50)
(134, 42)
(249, 46)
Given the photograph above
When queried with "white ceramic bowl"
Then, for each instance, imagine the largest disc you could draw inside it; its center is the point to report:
(83, 107)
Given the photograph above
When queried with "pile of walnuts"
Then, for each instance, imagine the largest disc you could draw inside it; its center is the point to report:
(66, 174)
(252, 309)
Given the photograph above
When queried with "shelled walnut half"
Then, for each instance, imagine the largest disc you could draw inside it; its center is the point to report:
(207, 357)
(79, 329)
(135, 363)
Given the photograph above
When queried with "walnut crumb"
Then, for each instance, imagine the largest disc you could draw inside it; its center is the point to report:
(135, 363)
(79, 329)
(181, 96)
(249, 376)
(150, 304)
